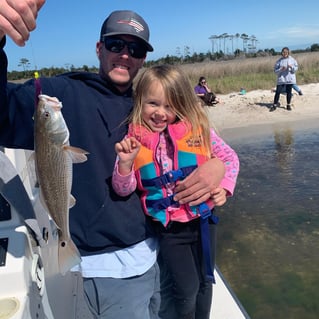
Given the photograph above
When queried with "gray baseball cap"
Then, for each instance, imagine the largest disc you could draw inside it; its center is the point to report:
(126, 22)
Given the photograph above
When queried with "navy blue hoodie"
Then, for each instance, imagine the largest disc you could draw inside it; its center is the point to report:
(94, 111)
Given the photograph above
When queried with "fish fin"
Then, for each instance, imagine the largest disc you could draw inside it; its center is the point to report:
(72, 201)
(69, 256)
(77, 154)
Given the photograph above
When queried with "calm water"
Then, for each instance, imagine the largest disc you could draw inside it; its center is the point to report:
(269, 231)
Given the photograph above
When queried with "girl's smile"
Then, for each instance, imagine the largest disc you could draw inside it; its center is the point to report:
(156, 112)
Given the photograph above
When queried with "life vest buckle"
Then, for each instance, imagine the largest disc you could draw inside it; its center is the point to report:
(173, 176)
(204, 211)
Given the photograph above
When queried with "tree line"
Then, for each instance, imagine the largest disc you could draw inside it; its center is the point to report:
(182, 56)
(221, 43)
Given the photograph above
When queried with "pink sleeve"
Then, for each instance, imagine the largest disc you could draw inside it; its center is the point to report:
(123, 185)
(226, 154)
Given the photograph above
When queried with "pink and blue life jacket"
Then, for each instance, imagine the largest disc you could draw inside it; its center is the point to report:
(188, 154)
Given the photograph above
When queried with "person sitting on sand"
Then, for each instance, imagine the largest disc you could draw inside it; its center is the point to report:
(205, 93)
(297, 89)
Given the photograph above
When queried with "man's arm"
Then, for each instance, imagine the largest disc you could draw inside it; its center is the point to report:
(16, 108)
(221, 171)
(4, 112)
(18, 18)
(197, 187)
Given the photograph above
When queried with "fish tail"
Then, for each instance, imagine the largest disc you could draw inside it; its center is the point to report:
(69, 256)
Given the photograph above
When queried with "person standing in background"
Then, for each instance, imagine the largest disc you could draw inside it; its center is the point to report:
(285, 69)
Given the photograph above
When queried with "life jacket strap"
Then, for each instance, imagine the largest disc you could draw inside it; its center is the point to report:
(161, 204)
(205, 237)
(169, 177)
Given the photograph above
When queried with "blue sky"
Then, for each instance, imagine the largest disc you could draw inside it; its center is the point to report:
(67, 30)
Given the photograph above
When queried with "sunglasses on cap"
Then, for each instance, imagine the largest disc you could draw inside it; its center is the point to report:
(116, 45)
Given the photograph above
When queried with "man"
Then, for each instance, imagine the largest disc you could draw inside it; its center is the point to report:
(112, 234)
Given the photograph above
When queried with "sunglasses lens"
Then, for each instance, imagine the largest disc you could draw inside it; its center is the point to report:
(135, 49)
(114, 45)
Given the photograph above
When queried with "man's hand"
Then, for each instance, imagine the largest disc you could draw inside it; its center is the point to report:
(18, 18)
(200, 184)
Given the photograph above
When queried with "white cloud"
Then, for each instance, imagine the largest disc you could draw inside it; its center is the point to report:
(297, 35)
(302, 32)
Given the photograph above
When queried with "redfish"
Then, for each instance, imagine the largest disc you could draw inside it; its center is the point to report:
(54, 158)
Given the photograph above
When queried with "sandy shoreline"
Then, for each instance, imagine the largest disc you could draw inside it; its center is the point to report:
(250, 112)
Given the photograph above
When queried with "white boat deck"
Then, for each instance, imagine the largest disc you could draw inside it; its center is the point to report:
(225, 304)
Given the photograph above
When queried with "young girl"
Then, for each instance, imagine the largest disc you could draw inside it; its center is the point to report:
(169, 136)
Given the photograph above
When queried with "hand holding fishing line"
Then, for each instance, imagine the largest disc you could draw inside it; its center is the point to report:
(18, 18)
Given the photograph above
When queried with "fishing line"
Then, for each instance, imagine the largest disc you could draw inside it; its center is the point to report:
(33, 55)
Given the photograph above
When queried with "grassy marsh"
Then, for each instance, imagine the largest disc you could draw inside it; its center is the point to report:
(251, 73)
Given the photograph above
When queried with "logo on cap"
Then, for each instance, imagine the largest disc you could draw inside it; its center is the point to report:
(133, 23)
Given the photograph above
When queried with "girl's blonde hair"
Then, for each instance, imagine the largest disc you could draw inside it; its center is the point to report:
(180, 96)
